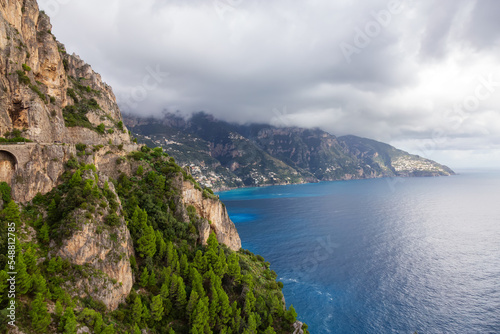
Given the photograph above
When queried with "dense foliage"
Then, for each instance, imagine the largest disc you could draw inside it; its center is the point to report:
(180, 285)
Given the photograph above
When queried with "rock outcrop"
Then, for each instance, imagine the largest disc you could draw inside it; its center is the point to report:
(215, 215)
(104, 250)
(38, 80)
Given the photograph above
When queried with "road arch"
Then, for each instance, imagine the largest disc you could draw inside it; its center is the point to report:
(8, 166)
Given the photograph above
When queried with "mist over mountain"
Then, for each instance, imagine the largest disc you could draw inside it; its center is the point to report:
(225, 155)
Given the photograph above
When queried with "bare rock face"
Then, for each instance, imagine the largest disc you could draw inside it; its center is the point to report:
(105, 250)
(216, 214)
(38, 79)
(298, 328)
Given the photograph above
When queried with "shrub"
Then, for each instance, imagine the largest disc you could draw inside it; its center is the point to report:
(26, 67)
(71, 93)
(112, 219)
(40, 94)
(5, 191)
(100, 128)
(23, 78)
(80, 147)
(74, 117)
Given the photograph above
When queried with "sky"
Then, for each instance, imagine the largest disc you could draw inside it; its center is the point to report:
(421, 75)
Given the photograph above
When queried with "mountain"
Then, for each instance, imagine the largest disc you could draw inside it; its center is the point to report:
(224, 155)
(99, 234)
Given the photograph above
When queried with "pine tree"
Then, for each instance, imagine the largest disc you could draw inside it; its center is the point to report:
(249, 302)
(270, 330)
(43, 234)
(30, 259)
(236, 320)
(197, 282)
(98, 323)
(52, 212)
(222, 264)
(181, 294)
(40, 317)
(146, 245)
(170, 253)
(76, 179)
(135, 222)
(225, 308)
(212, 243)
(137, 310)
(110, 329)
(144, 278)
(214, 307)
(11, 213)
(193, 301)
(59, 312)
(40, 285)
(165, 293)
(276, 307)
(200, 262)
(174, 287)
(152, 279)
(291, 315)
(23, 279)
(146, 315)
(165, 275)
(161, 245)
(137, 330)
(69, 321)
(233, 267)
(157, 308)
(201, 317)
(184, 266)
(251, 325)
(3, 283)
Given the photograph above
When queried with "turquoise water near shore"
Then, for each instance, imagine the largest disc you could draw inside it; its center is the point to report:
(381, 255)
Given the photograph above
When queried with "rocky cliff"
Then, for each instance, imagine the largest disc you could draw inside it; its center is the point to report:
(57, 118)
(106, 258)
(215, 214)
(45, 93)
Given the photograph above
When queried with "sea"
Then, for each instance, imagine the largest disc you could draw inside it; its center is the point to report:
(390, 255)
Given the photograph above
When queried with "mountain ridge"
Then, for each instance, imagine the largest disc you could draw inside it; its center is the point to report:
(225, 155)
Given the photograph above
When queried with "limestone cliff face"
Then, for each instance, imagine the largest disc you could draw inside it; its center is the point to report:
(105, 250)
(215, 213)
(35, 168)
(36, 75)
(38, 168)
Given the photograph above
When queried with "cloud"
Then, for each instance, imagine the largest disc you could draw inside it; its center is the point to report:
(410, 75)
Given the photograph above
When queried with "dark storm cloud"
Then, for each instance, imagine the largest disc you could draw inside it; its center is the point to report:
(390, 70)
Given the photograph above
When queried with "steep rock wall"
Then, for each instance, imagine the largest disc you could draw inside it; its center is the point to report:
(215, 212)
(35, 75)
(109, 257)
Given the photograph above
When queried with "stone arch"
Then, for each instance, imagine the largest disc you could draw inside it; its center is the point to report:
(8, 166)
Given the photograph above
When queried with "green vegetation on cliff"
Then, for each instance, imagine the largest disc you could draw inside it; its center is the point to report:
(179, 285)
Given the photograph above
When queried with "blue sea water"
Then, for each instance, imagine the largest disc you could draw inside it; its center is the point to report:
(381, 255)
